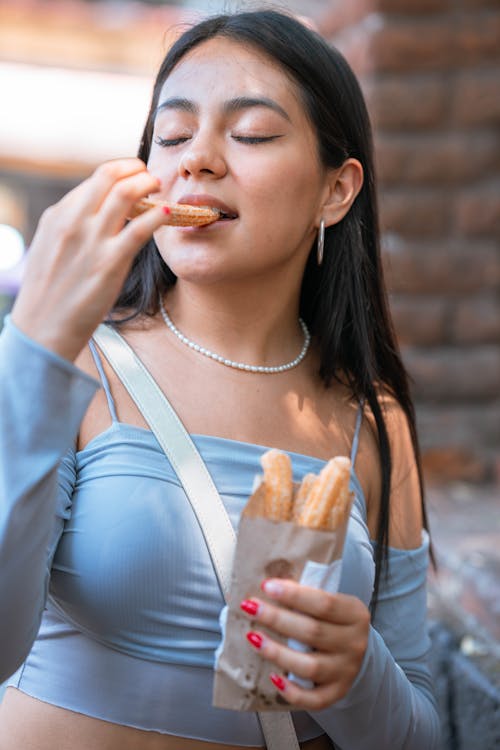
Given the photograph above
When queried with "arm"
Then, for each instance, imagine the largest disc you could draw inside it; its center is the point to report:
(384, 703)
(372, 684)
(391, 702)
(42, 401)
(80, 255)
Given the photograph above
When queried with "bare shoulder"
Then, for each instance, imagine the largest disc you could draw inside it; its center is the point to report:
(96, 417)
(405, 526)
(85, 362)
(130, 328)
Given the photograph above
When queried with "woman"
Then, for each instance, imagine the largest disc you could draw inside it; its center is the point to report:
(257, 116)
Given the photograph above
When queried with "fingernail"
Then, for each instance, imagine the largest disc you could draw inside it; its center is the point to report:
(271, 587)
(278, 681)
(166, 210)
(255, 639)
(250, 606)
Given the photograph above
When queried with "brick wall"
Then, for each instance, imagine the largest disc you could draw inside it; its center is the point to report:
(431, 73)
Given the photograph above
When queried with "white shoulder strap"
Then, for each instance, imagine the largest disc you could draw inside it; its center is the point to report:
(198, 484)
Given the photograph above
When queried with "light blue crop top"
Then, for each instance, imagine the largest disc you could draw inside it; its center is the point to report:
(110, 604)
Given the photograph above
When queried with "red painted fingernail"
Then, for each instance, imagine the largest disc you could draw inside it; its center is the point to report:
(166, 210)
(278, 681)
(255, 639)
(249, 606)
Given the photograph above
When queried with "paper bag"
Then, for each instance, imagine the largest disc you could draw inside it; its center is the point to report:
(268, 549)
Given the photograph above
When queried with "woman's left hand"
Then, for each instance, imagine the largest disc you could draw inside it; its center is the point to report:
(335, 626)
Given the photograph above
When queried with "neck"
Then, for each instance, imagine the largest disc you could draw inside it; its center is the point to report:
(257, 327)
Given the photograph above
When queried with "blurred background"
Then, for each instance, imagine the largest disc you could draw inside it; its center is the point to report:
(75, 82)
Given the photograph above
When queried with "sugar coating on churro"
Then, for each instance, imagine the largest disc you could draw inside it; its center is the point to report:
(278, 485)
(179, 214)
(329, 498)
(342, 502)
(302, 494)
(319, 502)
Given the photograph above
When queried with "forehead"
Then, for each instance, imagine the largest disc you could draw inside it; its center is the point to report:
(220, 69)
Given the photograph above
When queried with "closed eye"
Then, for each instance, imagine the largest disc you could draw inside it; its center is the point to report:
(251, 139)
(169, 141)
(248, 139)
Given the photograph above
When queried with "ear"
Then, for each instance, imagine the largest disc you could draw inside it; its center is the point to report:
(342, 186)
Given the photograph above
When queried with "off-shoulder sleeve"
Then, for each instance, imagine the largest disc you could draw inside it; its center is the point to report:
(390, 705)
(43, 399)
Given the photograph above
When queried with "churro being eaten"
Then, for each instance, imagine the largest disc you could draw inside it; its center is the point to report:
(179, 214)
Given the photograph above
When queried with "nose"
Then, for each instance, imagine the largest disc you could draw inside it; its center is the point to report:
(202, 157)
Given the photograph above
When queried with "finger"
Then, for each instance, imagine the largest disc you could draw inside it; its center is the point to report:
(341, 609)
(138, 231)
(307, 699)
(118, 202)
(318, 634)
(88, 196)
(314, 666)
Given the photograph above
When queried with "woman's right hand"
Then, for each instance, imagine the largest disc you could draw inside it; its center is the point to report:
(81, 254)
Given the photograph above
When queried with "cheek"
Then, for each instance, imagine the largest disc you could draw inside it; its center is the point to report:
(283, 185)
(153, 162)
(159, 166)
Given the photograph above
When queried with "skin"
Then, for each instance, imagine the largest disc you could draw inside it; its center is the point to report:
(225, 298)
(234, 274)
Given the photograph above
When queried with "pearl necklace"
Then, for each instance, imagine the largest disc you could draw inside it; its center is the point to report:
(229, 362)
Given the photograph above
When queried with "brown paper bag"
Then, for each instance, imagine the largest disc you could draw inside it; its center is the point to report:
(267, 549)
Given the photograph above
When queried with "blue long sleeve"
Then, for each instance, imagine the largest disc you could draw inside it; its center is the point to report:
(43, 399)
(391, 705)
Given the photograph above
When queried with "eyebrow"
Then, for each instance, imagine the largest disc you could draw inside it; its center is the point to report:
(237, 104)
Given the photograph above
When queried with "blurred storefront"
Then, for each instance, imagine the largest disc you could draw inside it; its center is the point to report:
(75, 82)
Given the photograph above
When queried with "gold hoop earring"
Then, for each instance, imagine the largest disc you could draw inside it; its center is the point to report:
(321, 242)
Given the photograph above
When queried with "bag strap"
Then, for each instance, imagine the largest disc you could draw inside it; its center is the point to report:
(199, 486)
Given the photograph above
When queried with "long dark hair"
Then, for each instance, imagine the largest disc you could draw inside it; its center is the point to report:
(344, 301)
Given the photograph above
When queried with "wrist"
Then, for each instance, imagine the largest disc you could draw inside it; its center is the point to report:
(43, 333)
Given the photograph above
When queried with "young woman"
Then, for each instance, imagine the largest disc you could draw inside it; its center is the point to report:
(110, 603)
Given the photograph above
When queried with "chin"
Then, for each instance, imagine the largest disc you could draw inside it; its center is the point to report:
(198, 264)
(198, 271)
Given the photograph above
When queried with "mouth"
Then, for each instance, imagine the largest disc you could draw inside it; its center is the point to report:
(227, 213)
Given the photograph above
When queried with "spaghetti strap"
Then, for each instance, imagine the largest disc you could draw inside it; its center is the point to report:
(104, 380)
(355, 440)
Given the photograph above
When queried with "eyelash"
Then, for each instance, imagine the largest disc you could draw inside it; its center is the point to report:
(249, 140)
(168, 141)
(254, 139)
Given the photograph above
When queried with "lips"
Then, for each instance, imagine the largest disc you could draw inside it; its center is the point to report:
(204, 199)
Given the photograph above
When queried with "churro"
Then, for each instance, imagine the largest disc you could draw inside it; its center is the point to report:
(180, 214)
(342, 503)
(319, 502)
(325, 494)
(278, 485)
(306, 486)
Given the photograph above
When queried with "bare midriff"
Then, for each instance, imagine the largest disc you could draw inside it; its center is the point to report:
(31, 724)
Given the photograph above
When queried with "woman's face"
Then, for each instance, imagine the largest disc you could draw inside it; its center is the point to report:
(231, 131)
